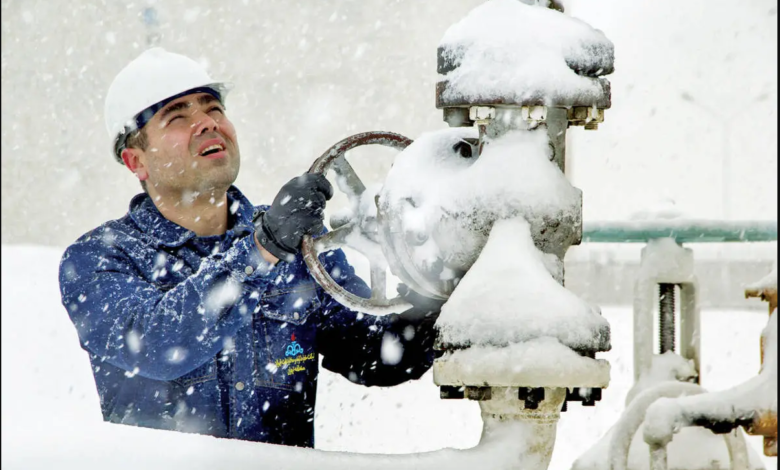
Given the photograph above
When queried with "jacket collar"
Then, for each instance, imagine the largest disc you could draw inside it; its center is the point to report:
(164, 232)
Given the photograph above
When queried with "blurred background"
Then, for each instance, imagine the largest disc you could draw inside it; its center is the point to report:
(693, 120)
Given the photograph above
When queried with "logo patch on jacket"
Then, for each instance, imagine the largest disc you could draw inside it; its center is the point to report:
(294, 357)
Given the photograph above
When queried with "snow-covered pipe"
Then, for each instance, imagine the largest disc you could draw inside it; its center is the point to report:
(740, 405)
(537, 426)
(623, 433)
(737, 453)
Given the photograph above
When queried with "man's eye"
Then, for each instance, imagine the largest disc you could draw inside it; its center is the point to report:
(217, 108)
(174, 118)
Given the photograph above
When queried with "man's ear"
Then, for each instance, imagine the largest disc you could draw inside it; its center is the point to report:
(134, 162)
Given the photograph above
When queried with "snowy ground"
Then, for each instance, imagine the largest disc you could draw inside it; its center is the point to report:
(50, 407)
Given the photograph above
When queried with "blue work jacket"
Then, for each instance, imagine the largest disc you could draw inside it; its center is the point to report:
(200, 334)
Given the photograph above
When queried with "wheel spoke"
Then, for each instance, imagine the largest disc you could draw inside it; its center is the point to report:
(334, 239)
(378, 282)
(343, 296)
(349, 182)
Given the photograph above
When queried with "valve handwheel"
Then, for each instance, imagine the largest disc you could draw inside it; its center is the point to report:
(353, 187)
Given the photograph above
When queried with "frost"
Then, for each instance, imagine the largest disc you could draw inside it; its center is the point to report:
(190, 390)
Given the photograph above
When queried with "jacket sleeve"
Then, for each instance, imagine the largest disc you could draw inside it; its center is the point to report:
(367, 349)
(159, 334)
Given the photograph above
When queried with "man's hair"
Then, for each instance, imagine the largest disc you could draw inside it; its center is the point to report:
(140, 140)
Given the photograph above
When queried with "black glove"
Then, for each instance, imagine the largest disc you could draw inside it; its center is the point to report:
(297, 210)
(425, 310)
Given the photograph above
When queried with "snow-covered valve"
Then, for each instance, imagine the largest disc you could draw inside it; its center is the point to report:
(513, 76)
(516, 69)
(482, 216)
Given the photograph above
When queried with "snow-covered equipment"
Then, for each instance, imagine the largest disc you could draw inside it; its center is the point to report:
(766, 287)
(765, 423)
(667, 267)
(673, 369)
(752, 404)
(152, 78)
(481, 215)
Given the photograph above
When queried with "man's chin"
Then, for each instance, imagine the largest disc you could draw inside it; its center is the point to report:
(218, 181)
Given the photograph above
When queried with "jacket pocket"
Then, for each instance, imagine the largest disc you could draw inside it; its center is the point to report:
(292, 305)
(285, 342)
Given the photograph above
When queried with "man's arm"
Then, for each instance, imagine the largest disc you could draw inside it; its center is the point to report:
(157, 334)
(367, 349)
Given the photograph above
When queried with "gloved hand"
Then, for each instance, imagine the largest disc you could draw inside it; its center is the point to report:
(424, 309)
(297, 210)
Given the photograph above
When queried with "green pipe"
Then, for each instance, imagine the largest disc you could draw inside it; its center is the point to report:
(682, 230)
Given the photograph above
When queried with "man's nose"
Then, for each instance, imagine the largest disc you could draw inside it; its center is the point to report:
(205, 123)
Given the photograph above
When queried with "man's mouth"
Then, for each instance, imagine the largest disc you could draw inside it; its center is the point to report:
(213, 148)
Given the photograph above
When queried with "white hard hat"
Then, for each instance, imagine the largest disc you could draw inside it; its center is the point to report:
(154, 77)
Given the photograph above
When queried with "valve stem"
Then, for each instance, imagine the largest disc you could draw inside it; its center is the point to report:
(666, 329)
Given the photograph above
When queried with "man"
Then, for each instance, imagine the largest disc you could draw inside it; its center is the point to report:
(196, 308)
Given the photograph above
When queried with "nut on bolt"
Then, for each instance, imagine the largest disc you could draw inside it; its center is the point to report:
(479, 393)
(532, 396)
(450, 392)
(534, 114)
(587, 395)
(482, 113)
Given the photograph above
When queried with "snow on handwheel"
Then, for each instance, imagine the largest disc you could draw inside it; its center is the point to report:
(360, 231)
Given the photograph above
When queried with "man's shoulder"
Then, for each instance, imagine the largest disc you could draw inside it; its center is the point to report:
(113, 240)
(121, 226)
(117, 232)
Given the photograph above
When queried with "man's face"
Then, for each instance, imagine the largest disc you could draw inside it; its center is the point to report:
(192, 147)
